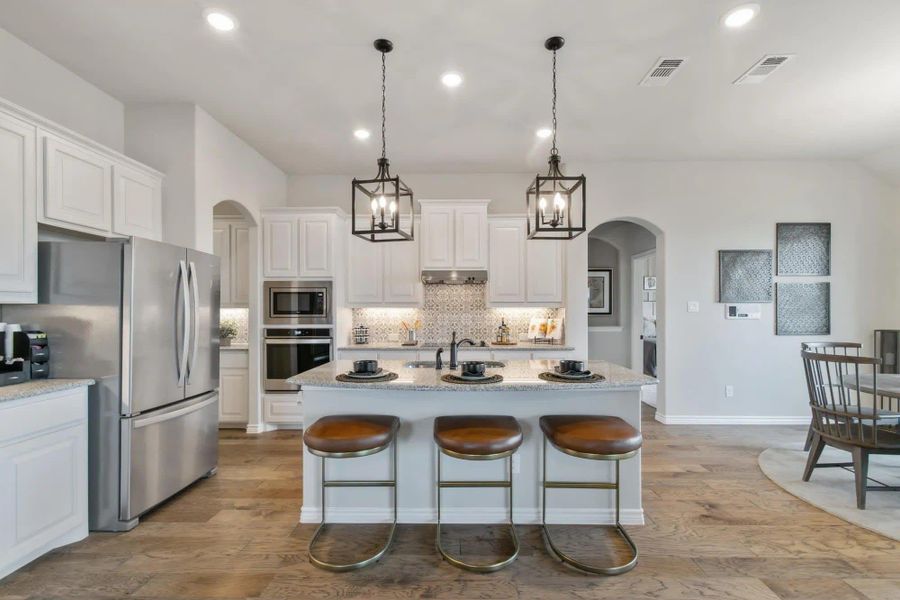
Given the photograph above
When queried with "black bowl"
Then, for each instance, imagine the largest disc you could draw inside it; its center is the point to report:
(567, 366)
(472, 368)
(365, 366)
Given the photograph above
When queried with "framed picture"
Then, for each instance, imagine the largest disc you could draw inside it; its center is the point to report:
(650, 283)
(600, 291)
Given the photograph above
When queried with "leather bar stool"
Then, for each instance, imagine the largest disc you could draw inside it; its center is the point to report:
(352, 436)
(595, 438)
(477, 437)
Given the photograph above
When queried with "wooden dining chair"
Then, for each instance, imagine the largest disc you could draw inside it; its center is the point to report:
(842, 417)
(837, 348)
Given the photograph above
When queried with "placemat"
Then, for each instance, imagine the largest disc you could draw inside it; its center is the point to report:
(389, 376)
(594, 378)
(451, 378)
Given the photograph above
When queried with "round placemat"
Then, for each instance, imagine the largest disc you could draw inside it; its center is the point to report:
(389, 376)
(451, 378)
(594, 378)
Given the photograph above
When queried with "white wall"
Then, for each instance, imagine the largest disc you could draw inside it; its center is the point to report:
(34, 81)
(702, 207)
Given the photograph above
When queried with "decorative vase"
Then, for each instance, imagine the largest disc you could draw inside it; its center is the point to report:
(225, 341)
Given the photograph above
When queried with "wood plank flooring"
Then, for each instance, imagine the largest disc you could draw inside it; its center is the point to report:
(716, 528)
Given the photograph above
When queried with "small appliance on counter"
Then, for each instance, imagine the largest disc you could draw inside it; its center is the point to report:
(15, 360)
(360, 334)
(40, 354)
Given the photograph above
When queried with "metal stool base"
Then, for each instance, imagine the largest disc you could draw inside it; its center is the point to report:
(617, 570)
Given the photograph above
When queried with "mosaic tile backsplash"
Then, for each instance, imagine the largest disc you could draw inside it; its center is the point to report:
(449, 308)
(241, 316)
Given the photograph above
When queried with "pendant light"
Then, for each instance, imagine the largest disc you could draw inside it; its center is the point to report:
(555, 203)
(382, 198)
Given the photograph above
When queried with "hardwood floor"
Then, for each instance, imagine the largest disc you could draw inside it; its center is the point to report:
(716, 528)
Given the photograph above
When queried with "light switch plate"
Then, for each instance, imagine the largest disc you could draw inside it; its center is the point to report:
(693, 306)
(742, 311)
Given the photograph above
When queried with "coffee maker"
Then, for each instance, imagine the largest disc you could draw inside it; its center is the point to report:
(15, 354)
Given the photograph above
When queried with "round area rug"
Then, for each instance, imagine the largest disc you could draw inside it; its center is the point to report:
(833, 490)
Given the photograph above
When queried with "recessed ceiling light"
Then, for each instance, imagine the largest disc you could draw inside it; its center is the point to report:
(544, 133)
(361, 134)
(220, 21)
(740, 16)
(451, 80)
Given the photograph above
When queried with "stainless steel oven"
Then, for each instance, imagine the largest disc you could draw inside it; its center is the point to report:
(292, 351)
(297, 303)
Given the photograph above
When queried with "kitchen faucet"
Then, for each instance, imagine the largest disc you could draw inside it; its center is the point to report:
(454, 347)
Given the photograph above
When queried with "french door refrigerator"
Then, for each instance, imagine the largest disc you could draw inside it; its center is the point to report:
(141, 318)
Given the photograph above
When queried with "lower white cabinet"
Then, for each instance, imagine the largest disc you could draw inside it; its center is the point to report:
(234, 387)
(283, 409)
(43, 475)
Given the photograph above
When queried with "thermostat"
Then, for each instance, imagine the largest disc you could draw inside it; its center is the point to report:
(742, 311)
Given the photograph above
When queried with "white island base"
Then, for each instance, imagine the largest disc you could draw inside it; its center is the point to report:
(417, 407)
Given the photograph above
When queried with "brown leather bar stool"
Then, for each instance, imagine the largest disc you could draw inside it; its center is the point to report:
(595, 438)
(352, 436)
(477, 437)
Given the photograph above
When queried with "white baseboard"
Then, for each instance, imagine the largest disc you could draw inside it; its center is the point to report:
(265, 427)
(524, 516)
(729, 420)
(258, 428)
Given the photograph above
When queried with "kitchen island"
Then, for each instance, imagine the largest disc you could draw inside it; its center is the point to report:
(418, 395)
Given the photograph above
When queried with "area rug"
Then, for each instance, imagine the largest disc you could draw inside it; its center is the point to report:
(832, 489)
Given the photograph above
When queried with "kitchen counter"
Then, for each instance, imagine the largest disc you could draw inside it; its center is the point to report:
(417, 396)
(38, 387)
(521, 346)
(238, 347)
(518, 375)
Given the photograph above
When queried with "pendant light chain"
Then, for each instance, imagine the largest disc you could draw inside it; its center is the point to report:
(554, 150)
(383, 109)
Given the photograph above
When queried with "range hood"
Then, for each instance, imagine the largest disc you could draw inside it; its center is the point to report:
(453, 277)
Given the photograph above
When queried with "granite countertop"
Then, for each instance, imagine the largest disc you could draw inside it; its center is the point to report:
(36, 387)
(518, 375)
(521, 346)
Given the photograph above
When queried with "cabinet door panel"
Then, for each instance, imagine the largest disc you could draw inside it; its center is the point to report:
(137, 203)
(471, 237)
(545, 271)
(280, 247)
(234, 395)
(240, 265)
(222, 249)
(365, 275)
(18, 201)
(315, 246)
(437, 237)
(402, 277)
(77, 185)
(506, 277)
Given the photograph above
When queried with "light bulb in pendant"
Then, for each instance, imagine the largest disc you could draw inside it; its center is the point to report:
(558, 202)
(374, 206)
(392, 207)
(542, 204)
(382, 201)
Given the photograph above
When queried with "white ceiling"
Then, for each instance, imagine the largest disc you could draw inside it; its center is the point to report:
(298, 77)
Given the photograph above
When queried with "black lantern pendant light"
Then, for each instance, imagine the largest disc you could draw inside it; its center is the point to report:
(382, 198)
(556, 203)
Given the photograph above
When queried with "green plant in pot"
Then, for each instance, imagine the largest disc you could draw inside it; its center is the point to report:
(228, 330)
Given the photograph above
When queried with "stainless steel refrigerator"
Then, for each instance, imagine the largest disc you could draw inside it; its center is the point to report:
(142, 319)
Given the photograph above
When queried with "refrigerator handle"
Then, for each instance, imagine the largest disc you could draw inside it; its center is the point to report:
(186, 308)
(195, 317)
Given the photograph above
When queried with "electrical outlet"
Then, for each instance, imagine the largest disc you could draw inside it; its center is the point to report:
(693, 306)
(516, 464)
(729, 391)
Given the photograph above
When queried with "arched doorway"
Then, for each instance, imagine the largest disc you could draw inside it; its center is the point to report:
(235, 241)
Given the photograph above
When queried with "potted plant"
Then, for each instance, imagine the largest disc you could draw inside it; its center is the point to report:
(228, 330)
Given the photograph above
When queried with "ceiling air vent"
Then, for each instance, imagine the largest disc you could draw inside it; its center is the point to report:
(763, 68)
(662, 71)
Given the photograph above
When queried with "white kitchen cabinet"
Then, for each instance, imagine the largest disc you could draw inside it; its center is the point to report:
(43, 475)
(18, 202)
(454, 234)
(283, 409)
(77, 186)
(231, 243)
(544, 265)
(506, 273)
(471, 232)
(280, 246)
(314, 233)
(402, 276)
(438, 240)
(137, 203)
(234, 387)
(365, 277)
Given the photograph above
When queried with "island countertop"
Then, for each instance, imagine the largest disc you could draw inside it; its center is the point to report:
(518, 375)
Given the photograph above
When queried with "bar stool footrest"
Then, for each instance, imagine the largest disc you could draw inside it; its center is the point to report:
(582, 566)
(484, 567)
(329, 566)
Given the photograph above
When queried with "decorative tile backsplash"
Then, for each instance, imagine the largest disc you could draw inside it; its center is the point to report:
(449, 308)
(242, 317)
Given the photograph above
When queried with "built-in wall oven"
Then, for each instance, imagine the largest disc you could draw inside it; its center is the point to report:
(297, 303)
(291, 351)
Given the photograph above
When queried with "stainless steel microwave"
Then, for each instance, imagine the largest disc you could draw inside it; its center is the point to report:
(298, 303)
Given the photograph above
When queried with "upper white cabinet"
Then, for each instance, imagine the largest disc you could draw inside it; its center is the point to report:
(383, 274)
(300, 243)
(137, 203)
(231, 243)
(77, 185)
(454, 234)
(523, 271)
(18, 199)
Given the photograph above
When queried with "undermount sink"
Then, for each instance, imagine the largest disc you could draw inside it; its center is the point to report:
(429, 364)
